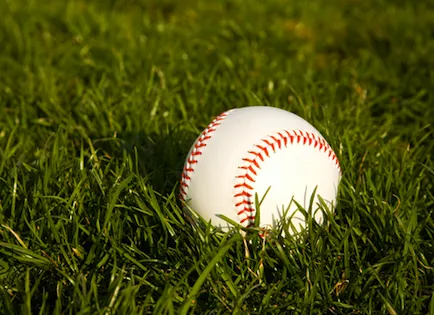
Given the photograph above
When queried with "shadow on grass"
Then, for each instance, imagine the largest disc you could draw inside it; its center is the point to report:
(157, 157)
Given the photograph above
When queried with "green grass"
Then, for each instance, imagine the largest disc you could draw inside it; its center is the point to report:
(101, 100)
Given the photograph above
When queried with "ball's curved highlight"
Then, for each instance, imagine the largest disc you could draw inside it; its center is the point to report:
(259, 150)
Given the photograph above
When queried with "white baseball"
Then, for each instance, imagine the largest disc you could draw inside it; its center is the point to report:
(259, 150)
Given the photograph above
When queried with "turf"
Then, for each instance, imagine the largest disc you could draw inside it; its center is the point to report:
(101, 100)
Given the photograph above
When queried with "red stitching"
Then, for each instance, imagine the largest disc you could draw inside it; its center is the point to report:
(244, 202)
(197, 151)
(243, 185)
(258, 154)
(249, 219)
(246, 209)
(245, 192)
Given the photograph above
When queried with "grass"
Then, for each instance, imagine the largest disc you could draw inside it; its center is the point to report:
(101, 100)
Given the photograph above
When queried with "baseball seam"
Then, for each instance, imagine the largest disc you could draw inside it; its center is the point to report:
(251, 166)
(198, 148)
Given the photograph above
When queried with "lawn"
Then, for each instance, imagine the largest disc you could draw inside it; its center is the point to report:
(100, 102)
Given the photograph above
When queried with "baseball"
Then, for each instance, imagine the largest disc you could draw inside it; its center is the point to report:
(265, 152)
